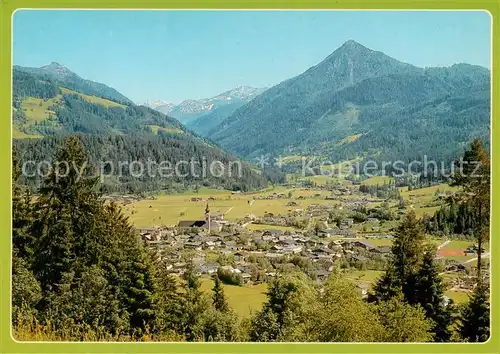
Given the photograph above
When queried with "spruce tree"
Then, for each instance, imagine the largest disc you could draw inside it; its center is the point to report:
(23, 241)
(194, 304)
(407, 253)
(81, 241)
(474, 179)
(407, 249)
(387, 286)
(429, 294)
(474, 323)
(67, 210)
(219, 299)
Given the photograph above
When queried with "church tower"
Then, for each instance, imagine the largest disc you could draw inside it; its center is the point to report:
(207, 216)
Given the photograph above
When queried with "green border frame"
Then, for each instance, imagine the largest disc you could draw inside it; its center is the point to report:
(8, 345)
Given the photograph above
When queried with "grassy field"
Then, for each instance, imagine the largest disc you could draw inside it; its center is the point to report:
(350, 139)
(156, 128)
(169, 209)
(457, 245)
(17, 134)
(373, 181)
(424, 195)
(92, 99)
(364, 276)
(250, 298)
(379, 241)
(243, 299)
(424, 200)
(457, 296)
(36, 109)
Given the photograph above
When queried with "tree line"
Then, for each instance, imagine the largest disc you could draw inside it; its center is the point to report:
(107, 154)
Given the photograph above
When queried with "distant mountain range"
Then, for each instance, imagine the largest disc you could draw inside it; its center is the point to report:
(361, 103)
(204, 114)
(357, 103)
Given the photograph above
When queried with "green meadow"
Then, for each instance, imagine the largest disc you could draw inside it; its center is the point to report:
(245, 300)
(169, 209)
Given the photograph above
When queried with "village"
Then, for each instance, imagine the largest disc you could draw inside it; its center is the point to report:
(322, 230)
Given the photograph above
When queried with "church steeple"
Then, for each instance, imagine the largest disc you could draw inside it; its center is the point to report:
(207, 217)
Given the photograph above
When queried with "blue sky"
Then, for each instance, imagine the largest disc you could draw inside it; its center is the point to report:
(176, 55)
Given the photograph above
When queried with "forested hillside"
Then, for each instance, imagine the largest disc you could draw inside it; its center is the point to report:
(119, 158)
(61, 75)
(361, 103)
(45, 112)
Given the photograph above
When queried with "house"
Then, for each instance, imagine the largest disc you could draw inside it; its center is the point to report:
(384, 249)
(322, 275)
(208, 245)
(472, 250)
(239, 256)
(209, 268)
(292, 248)
(246, 277)
(268, 238)
(196, 199)
(191, 223)
(273, 255)
(362, 244)
(196, 245)
(347, 222)
(285, 242)
(205, 224)
(363, 289)
(346, 233)
(230, 269)
(273, 232)
(230, 245)
(357, 257)
(216, 217)
(446, 300)
(327, 232)
(285, 238)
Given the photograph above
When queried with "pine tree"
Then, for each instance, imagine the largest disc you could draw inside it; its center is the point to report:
(67, 210)
(474, 323)
(474, 179)
(386, 287)
(429, 294)
(194, 304)
(168, 302)
(81, 241)
(23, 241)
(219, 299)
(407, 253)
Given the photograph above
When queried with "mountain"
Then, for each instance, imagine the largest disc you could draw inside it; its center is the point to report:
(204, 114)
(157, 103)
(45, 112)
(62, 76)
(360, 103)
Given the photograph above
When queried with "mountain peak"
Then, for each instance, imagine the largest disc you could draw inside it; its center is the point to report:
(55, 67)
(351, 45)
